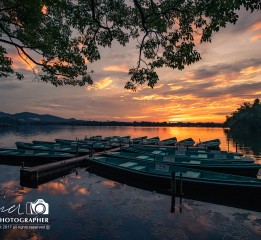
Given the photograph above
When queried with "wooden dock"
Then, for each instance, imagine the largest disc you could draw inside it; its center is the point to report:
(32, 176)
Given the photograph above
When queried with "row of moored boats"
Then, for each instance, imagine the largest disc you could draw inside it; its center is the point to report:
(154, 163)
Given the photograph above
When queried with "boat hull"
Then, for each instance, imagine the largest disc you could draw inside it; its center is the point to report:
(190, 185)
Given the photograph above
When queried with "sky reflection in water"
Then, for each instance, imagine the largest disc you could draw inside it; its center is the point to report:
(87, 206)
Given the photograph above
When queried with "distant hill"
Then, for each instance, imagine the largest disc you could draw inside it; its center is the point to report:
(28, 117)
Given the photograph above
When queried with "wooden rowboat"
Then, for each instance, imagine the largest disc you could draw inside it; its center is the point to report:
(236, 167)
(194, 181)
(53, 148)
(31, 157)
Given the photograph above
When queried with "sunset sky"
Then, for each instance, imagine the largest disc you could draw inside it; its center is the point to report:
(228, 74)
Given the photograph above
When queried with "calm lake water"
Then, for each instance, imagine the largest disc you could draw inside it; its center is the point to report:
(88, 206)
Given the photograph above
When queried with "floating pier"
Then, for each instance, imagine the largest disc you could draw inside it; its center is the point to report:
(33, 176)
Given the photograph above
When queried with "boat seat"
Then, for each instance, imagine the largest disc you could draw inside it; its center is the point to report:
(180, 153)
(162, 167)
(191, 174)
(156, 152)
(29, 151)
(41, 154)
(128, 164)
(169, 158)
(114, 153)
(194, 162)
(139, 167)
(142, 157)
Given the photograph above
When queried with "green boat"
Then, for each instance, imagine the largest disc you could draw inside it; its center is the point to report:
(183, 152)
(194, 181)
(210, 144)
(138, 139)
(168, 142)
(31, 157)
(224, 166)
(186, 142)
(53, 148)
(150, 141)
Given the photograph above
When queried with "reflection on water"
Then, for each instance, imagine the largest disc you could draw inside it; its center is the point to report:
(249, 144)
(91, 207)
(87, 206)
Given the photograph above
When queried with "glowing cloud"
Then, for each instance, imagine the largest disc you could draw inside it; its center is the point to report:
(117, 68)
(102, 84)
(256, 26)
(44, 9)
(151, 97)
(250, 70)
(256, 37)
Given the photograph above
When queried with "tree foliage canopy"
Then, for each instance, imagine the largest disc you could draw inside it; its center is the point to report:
(61, 36)
(246, 117)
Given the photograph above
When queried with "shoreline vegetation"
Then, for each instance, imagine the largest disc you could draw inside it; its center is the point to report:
(246, 119)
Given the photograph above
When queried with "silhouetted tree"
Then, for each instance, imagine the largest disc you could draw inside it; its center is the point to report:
(61, 36)
(246, 117)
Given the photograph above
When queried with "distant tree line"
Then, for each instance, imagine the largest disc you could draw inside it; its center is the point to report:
(115, 123)
(246, 118)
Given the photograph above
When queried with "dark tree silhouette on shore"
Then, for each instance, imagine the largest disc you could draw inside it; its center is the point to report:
(61, 36)
(246, 118)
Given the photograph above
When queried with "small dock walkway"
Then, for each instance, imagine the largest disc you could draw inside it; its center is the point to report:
(32, 176)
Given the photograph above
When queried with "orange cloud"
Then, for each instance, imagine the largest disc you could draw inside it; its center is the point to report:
(117, 68)
(158, 86)
(102, 84)
(44, 9)
(256, 37)
(151, 97)
(22, 62)
(137, 117)
(255, 26)
(250, 70)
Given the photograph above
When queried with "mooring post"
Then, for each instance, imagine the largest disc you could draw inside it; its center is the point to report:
(173, 191)
(181, 193)
(173, 183)
(228, 144)
(77, 148)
